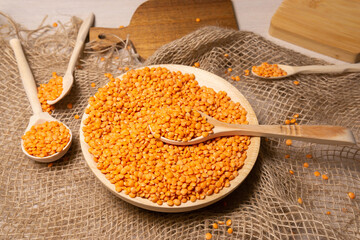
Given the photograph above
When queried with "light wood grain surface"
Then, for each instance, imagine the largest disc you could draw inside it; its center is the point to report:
(330, 27)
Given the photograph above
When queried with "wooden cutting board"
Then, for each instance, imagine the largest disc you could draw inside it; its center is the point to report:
(330, 27)
(157, 22)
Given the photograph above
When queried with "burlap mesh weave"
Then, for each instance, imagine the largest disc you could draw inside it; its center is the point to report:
(66, 201)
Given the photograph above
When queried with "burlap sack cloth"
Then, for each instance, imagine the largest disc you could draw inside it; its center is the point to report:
(66, 201)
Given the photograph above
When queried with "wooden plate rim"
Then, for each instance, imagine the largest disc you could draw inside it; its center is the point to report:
(218, 84)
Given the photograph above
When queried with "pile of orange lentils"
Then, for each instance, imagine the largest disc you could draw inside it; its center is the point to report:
(268, 70)
(116, 130)
(179, 124)
(50, 91)
(46, 139)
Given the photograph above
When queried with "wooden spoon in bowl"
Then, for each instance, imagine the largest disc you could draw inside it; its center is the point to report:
(311, 133)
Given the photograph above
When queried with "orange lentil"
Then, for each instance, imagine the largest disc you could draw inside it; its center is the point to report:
(287, 156)
(300, 201)
(306, 165)
(170, 203)
(296, 82)
(76, 116)
(287, 121)
(126, 68)
(228, 222)
(197, 64)
(233, 78)
(93, 85)
(230, 69)
(69, 106)
(308, 156)
(116, 128)
(215, 226)
(208, 236)
(177, 202)
(317, 174)
(221, 222)
(237, 78)
(325, 177)
(121, 26)
(50, 164)
(328, 212)
(291, 172)
(230, 230)
(54, 24)
(351, 195)
(46, 139)
(102, 59)
(50, 91)
(268, 70)
(197, 20)
(226, 55)
(296, 115)
(293, 120)
(246, 72)
(288, 142)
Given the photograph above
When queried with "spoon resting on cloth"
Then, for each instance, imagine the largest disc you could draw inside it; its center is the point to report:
(291, 70)
(318, 134)
(68, 79)
(39, 116)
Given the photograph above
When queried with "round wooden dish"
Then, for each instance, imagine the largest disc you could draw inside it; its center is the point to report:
(204, 78)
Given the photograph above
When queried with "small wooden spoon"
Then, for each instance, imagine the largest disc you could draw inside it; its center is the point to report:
(68, 79)
(31, 92)
(319, 134)
(291, 70)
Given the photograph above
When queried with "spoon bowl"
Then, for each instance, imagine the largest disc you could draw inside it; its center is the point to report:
(291, 70)
(39, 119)
(318, 134)
(31, 92)
(68, 78)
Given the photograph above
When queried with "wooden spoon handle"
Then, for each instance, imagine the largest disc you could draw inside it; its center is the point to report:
(26, 76)
(318, 134)
(80, 39)
(328, 68)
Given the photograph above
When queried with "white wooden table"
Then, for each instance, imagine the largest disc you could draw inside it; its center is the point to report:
(252, 15)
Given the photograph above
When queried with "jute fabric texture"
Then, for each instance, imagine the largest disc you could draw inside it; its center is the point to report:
(66, 201)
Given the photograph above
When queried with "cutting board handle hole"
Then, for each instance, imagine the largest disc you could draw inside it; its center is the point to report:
(101, 36)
